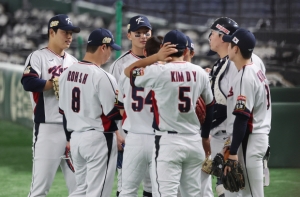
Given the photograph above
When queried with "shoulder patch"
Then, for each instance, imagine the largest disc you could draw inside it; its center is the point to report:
(138, 72)
(240, 103)
(27, 70)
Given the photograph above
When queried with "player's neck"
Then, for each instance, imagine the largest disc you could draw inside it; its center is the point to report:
(91, 58)
(222, 53)
(177, 59)
(137, 51)
(240, 62)
(57, 50)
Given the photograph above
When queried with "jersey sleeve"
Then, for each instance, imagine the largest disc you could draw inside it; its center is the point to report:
(120, 94)
(207, 93)
(145, 77)
(116, 70)
(107, 93)
(245, 98)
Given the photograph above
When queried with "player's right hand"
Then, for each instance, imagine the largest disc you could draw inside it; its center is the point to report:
(165, 51)
(120, 141)
(206, 146)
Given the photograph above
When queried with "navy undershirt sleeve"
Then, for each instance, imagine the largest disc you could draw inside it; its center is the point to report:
(68, 133)
(239, 130)
(33, 84)
(205, 130)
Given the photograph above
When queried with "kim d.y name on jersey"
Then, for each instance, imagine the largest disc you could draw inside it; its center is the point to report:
(77, 77)
(178, 76)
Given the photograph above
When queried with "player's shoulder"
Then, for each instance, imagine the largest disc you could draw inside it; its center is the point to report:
(120, 60)
(70, 57)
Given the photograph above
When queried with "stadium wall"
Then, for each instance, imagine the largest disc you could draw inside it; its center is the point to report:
(15, 106)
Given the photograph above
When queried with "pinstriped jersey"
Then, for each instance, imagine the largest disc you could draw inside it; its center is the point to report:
(87, 94)
(176, 87)
(45, 64)
(249, 95)
(121, 63)
(137, 102)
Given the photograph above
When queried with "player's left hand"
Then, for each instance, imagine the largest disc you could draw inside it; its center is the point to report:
(206, 146)
(165, 51)
(68, 146)
(227, 168)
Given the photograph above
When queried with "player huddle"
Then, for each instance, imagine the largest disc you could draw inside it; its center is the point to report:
(140, 117)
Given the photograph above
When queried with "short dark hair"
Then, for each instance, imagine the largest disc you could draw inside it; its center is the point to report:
(153, 45)
(179, 53)
(245, 54)
(54, 29)
(93, 49)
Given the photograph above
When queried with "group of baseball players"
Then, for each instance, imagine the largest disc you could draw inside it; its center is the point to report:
(140, 116)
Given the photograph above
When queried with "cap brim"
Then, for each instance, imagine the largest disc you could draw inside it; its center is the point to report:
(116, 47)
(227, 38)
(71, 28)
(135, 29)
(211, 53)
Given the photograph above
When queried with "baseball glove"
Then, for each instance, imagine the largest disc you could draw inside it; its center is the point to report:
(55, 82)
(234, 179)
(200, 110)
(217, 165)
(67, 156)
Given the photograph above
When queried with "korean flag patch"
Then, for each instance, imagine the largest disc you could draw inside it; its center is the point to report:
(240, 103)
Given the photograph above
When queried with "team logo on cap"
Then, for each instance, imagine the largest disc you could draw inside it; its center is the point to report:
(54, 23)
(223, 29)
(139, 20)
(69, 21)
(128, 26)
(106, 40)
(235, 40)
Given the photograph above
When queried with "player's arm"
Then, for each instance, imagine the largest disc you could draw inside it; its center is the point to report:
(68, 133)
(242, 112)
(162, 55)
(30, 79)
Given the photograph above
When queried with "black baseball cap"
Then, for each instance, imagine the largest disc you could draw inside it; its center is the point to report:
(102, 36)
(176, 37)
(62, 21)
(138, 21)
(190, 43)
(243, 38)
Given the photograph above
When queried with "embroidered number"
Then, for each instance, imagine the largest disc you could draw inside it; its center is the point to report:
(76, 99)
(139, 101)
(186, 105)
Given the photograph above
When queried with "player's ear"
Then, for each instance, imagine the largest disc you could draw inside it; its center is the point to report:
(192, 53)
(185, 51)
(129, 36)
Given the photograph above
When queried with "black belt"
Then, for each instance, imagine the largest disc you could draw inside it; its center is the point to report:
(172, 132)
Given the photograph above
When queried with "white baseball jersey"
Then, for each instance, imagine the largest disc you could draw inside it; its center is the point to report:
(137, 102)
(45, 64)
(249, 95)
(87, 94)
(121, 63)
(176, 87)
(258, 62)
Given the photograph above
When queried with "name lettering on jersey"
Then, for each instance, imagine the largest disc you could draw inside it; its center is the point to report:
(261, 76)
(178, 76)
(230, 92)
(240, 103)
(77, 77)
(27, 70)
(56, 71)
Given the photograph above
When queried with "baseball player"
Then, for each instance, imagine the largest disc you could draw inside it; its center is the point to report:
(221, 76)
(87, 97)
(137, 103)
(248, 112)
(139, 30)
(176, 85)
(49, 141)
(190, 54)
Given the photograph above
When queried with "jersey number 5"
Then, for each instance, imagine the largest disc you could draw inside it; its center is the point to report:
(185, 106)
(76, 99)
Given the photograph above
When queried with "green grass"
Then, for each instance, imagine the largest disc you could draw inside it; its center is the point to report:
(16, 164)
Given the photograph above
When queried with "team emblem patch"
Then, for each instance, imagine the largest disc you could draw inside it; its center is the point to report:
(54, 23)
(240, 103)
(223, 29)
(138, 72)
(106, 40)
(128, 26)
(27, 70)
